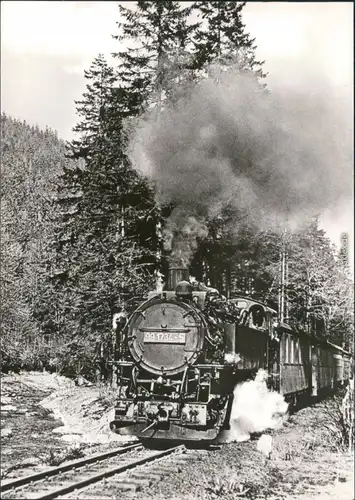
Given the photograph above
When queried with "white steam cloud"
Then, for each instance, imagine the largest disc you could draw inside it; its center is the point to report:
(281, 156)
(255, 409)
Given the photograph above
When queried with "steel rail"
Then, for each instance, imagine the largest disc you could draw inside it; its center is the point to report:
(22, 481)
(50, 495)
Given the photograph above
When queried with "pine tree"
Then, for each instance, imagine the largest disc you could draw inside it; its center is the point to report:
(344, 249)
(221, 38)
(106, 244)
(155, 63)
(98, 109)
(239, 258)
(32, 160)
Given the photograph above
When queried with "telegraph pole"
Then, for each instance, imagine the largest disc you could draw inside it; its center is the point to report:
(283, 279)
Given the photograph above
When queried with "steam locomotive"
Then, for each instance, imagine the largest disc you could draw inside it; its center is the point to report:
(182, 351)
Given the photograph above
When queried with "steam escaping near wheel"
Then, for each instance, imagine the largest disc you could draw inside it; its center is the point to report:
(231, 358)
(255, 409)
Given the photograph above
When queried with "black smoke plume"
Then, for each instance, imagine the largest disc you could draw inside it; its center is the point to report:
(281, 156)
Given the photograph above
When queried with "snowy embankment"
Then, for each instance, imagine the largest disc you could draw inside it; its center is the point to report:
(46, 420)
(85, 411)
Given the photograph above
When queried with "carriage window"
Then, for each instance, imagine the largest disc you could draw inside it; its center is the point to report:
(257, 315)
(291, 349)
(297, 351)
(287, 343)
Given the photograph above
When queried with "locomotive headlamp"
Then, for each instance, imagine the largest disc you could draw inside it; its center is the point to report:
(197, 373)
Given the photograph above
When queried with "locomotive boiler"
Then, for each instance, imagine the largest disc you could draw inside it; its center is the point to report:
(180, 355)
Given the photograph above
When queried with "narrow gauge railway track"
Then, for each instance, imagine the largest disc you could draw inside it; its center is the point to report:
(118, 465)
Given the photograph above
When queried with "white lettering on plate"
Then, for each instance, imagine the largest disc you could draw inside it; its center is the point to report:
(164, 337)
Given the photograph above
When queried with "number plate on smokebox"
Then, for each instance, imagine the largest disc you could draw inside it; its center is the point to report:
(165, 337)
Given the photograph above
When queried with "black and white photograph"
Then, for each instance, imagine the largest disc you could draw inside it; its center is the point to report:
(177, 250)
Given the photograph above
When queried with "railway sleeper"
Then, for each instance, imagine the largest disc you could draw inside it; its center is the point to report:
(156, 470)
(170, 468)
(142, 480)
(127, 485)
(183, 460)
(153, 475)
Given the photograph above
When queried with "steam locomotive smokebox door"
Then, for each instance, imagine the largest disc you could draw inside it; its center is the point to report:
(164, 336)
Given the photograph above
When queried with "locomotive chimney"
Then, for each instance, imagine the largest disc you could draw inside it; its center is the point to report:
(175, 275)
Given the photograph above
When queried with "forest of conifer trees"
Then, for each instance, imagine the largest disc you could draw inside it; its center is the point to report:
(80, 228)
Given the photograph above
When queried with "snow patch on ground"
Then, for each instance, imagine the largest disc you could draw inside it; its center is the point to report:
(40, 380)
(85, 412)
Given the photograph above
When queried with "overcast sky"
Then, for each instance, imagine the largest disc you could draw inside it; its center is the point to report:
(45, 47)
